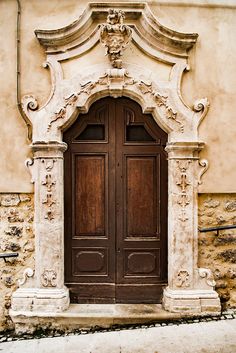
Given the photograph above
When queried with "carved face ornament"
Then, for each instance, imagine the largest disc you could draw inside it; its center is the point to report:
(115, 36)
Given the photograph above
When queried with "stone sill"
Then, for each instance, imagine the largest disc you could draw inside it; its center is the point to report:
(86, 316)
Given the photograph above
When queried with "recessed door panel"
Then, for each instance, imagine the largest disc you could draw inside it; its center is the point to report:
(89, 260)
(89, 195)
(142, 187)
(115, 175)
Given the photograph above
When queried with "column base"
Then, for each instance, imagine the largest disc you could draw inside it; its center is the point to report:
(195, 301)
(39, 299)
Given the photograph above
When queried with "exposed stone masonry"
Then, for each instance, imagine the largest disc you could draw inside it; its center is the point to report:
(16, 235)
(219, 252)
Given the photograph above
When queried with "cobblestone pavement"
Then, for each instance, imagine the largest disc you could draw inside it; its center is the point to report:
(206, 335)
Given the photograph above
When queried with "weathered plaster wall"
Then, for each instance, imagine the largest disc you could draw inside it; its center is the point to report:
(212, 63)
(16, 235)
(219, 252)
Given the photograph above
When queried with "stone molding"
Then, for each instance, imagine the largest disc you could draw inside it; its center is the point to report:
(190, 289)
(137, 14)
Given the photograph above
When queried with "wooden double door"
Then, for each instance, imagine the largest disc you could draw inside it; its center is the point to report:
(115, 174)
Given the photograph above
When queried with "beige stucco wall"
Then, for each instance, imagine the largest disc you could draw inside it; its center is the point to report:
(212, 75)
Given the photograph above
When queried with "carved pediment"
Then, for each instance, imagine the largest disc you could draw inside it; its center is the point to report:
(148, 34)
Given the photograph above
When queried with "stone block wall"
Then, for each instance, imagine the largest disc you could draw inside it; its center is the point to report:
(219, 252)
(16, 235)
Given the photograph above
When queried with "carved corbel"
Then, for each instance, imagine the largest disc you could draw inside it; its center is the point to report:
(204, 164)
(29, 163)
(201, 106)
(28, 272)
(207, 274)
(115, 36)
(29, 102)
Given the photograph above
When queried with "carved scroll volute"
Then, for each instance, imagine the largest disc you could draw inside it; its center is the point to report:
(29, 163)
(28, 272)
(115, 36)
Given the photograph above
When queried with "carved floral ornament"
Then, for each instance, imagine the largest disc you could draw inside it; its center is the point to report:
(49, 277)
(49, 183)
(183, 279)
(116, 80)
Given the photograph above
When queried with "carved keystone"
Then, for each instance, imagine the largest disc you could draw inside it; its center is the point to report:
(115, 36)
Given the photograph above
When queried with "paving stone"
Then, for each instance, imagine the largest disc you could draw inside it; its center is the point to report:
(215, 337)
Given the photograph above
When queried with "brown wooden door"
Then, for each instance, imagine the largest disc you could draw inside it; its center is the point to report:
(115, 205)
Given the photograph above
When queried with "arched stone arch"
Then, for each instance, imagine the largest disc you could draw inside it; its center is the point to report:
(190, 289)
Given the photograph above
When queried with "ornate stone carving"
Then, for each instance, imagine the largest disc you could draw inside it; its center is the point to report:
(183, 279)
(60, 114)
(29, 163)
(29, 102)
(145, 87)
(116, 80)
(28, 272)
(49, 278)
(183, 182)
(170, 114)
(201, 106)
(115, 36)
(49, 183)
(160, 100)
(183, 200)
(48, 163)
(205, 165)
(71, 101)
(207, 274)
(49, 201)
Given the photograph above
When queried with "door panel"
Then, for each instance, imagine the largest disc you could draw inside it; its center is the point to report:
(141, 213)
(115, 205)
(89, 261)
(89, 195)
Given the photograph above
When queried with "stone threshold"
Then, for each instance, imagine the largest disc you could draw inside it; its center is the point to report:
(87, 316)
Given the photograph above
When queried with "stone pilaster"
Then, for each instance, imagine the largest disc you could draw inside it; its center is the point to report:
(190, 289)
(46, 291)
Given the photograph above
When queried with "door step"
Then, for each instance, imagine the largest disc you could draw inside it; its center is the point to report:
(88, 316)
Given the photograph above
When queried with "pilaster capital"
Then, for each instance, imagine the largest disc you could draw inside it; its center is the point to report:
(48, 149)
(184, 150)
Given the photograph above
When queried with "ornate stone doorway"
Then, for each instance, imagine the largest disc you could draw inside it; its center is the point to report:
(190, 289)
